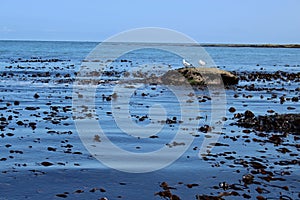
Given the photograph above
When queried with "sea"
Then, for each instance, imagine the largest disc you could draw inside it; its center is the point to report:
(64, 136)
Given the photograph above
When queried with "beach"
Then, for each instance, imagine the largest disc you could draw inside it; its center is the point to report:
(43, 155)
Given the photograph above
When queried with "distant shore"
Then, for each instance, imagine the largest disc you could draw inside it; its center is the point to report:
(254, 45)
(193, 44)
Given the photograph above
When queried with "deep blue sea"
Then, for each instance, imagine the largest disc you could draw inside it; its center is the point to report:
(44, 156)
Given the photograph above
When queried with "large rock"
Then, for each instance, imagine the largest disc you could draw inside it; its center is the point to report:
(283, 123)
(199, 76)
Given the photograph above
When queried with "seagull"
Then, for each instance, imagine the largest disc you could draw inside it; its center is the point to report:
(186, 64)
(202, 63)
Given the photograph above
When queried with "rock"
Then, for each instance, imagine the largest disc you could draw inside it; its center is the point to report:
(248, 178)
(295, 99)
(283, 123)
(232, 109)
(192, 185)
(36, 95)
(248, 114)
(79, 191)
(51, 149)
(46, 164)
(62, 195)
(207, 197)
(20, 123)
(198, 76)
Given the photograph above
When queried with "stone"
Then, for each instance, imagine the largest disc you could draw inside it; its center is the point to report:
(198, 76)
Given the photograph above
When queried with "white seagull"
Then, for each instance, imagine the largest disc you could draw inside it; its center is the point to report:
(202, 63)
(186, 64)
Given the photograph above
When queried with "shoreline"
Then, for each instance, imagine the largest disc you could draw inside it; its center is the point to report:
(253, 45)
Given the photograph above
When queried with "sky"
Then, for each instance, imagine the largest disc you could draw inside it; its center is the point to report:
(206, 21)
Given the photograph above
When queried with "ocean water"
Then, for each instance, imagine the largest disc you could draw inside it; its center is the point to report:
(38, 113)
(241, 58)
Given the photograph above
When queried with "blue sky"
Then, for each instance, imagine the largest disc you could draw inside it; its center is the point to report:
(207, 21)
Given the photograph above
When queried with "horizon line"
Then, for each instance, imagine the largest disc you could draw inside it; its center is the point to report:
(206, 44)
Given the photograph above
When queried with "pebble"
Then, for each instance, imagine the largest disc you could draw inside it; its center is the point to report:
(232, 109)
(36, 95)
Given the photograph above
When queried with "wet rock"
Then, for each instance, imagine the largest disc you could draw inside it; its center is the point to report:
(232, 109)
(79, 191)
(290, 108)
(295, 99)
(32, 108)
(36, 95)
(246, 196)
(175, 197)
(260, 198)
(97, 138)
(51, 149)
(205, 129)
(283, 123)
(257, 165)
(248, 178)
(102, 190)
(62, 195)
(171, 121)
(208, 197)
(10, 134)
(20, 123)
(192, 185)
(164, 194)
(198, 76)
(165, 186)
(248, 114)
(46, 163)
(266, 76)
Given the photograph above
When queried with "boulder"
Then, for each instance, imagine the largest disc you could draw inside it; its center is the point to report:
(198, 76)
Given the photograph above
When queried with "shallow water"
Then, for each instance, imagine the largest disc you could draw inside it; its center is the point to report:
(48, 132)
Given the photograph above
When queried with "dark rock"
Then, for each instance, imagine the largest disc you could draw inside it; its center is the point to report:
(283, 123)
(248, 178)
(32, 108)
(20, 123)
(232, 109)
(248, 114)
(51, 149)
(36, 95)
(46, 163)
(62, 195)
(207, 197)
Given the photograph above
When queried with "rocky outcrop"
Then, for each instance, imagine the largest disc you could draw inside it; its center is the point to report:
(198, 76)
(283, 123)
